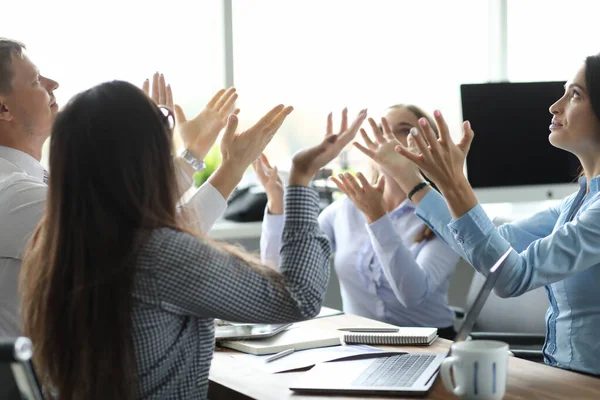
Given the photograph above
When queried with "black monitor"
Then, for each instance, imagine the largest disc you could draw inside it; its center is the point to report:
(18, 380)
(511, 158)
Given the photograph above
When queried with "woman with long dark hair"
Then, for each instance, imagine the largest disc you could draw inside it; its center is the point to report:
(557, 248)
(117, 297)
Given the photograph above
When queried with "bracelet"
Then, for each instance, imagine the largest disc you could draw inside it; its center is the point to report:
(196, 164)
(416, 189)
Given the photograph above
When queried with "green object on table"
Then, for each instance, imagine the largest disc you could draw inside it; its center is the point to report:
(212, 161)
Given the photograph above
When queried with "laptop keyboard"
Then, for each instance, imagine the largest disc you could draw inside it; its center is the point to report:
(398, 371)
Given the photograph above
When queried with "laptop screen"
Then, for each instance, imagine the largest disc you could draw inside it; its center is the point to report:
(482, 296)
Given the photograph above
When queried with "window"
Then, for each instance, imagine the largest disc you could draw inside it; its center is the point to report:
(321, 56)
(81, 44)
(549, 39)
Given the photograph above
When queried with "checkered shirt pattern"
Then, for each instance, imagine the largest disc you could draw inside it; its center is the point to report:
(183, 283)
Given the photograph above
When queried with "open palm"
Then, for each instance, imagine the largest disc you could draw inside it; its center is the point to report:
(200, 133)
(309, 161)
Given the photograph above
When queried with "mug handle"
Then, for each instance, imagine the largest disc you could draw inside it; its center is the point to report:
(447, 364)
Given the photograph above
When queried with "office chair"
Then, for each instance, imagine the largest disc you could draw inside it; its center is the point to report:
(17, 377)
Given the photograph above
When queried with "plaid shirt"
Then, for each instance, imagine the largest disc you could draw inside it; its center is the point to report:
(183, 283)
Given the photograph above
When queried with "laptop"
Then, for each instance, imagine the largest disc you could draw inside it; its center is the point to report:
(398, 374)
(18, 380)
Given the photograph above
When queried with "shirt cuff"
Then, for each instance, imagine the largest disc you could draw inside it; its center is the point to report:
(272, 223)
(471, 228)
(429, 205)
(384, 231)
(301, 204)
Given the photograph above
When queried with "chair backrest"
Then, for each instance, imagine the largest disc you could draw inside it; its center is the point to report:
(17, 377)
(523, 314)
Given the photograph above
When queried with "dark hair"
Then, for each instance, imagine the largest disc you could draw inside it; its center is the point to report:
(112, 179)
(112, 182)
(8, 48)
(592, 81)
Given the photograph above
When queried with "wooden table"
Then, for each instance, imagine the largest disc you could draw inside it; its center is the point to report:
(526, 380)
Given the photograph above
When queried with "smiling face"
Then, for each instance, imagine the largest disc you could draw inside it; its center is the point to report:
(30, 105)
(575, 127)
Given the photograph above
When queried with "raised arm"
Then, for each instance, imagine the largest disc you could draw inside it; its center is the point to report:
(411, 279)
(199, 279)
(199, 208)
(568, 250)
(267, 175)
(234, 290)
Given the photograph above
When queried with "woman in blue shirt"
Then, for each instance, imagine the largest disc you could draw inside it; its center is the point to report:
(391, 267)
(558, 248)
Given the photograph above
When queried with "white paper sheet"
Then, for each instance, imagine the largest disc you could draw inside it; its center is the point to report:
(304, 358)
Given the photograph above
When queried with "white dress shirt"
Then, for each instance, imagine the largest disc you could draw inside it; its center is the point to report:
(383, 273)
(22, 203)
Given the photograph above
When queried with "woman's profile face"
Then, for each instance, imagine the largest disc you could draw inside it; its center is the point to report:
(400, 121)
(574, 125)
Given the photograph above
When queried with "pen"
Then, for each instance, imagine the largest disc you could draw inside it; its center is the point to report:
(280, 355)
(369, 329)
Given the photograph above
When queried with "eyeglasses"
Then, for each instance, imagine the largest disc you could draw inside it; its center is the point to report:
(168, 116)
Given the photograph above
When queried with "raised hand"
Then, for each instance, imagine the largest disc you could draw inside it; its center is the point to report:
(382, 150)
(239, 150)
(159, 92)
(306, 163)
(272, 183)
(440, 159)
(200, 133)
(368, 198)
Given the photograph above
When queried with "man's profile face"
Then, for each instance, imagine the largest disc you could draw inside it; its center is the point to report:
(31, 103)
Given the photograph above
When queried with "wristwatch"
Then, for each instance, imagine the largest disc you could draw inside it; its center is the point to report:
(196, 164)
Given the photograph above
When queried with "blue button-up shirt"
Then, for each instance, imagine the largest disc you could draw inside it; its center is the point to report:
(384, 274)
(558, 248)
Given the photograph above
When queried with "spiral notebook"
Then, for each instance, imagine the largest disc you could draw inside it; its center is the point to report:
(405, 336)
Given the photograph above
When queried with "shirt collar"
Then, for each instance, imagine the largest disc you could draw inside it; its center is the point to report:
(22, 160)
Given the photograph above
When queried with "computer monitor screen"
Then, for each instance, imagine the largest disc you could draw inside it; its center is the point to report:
(511, 148)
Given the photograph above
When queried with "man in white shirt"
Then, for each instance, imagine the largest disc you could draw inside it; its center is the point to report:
(27, 110)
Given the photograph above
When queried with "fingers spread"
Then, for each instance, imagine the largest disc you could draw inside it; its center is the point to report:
(376, 131)
(442, 127)
(367, 139)
(329, 128)
(368, 152)
(339, 184)
(387, 131)
(427, 130)
(363, 181)
(344, 124)
(420, 141)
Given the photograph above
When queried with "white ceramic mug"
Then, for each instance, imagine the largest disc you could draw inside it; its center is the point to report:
(479, 367)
